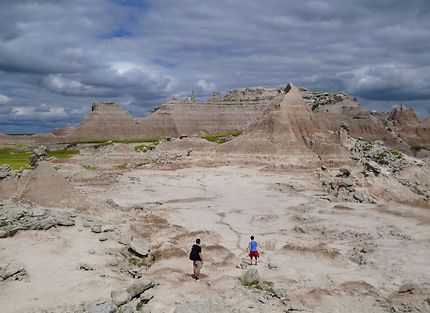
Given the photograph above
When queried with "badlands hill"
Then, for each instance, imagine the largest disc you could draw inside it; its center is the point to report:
(237, 110)
(290, 128)
(177, 117)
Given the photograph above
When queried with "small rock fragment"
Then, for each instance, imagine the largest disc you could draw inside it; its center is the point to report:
(86, 267)
(407, 288)
(96, 229)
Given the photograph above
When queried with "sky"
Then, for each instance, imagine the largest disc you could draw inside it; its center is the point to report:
(58, 56)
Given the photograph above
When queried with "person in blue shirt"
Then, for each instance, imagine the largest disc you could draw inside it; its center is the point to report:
(253, 252)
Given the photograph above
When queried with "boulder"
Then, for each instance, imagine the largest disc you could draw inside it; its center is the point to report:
(12, 271)
(139, 247)
(139, 286)
(147, 296)
(96, 229)
(123, 296)
(408, 288)
(120, 297)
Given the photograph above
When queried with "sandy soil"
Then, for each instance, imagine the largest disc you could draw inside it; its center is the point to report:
(329, 257)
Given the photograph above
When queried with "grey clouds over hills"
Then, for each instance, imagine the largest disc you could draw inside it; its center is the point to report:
(58, 56)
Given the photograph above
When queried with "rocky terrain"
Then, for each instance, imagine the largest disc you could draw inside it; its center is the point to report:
(337, 197)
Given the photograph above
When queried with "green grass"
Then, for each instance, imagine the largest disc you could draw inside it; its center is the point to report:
(16, 158)
(62, 154)
(122, 166)
(139, 262)
(90, 167)
(222, 138)
(147, 146)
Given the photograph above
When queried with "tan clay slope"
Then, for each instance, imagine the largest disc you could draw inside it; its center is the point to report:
(198, 119)
(361, 123)
(43, 186)
(238, 109)
(289, 128)
(408, 126)
(107, 120)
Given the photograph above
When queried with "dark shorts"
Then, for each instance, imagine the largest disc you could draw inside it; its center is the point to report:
(254, 254)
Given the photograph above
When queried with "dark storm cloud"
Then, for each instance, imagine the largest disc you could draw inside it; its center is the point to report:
(56, 57)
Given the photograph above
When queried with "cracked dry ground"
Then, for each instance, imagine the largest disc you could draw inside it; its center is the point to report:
(325, 256)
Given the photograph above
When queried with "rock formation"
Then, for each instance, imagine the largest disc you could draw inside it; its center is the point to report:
(240, 108)
(290, 128)
(339, 109)
(107, 120)
(406, 124)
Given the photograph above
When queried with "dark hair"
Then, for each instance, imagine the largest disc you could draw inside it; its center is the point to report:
(198, 241)
(252, 237)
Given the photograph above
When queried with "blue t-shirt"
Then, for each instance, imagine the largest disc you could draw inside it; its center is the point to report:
(253, 245)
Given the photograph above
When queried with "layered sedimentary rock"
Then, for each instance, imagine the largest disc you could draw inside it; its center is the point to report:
(290, 128)
(339, 109)
(238, 109)
(406, 124)
(107, 120)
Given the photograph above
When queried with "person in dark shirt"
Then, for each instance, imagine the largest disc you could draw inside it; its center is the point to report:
(196, 257)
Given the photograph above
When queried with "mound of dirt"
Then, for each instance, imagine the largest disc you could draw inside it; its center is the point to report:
(46, 186)
(289, 128)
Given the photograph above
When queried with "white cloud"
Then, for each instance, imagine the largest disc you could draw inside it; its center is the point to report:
(205, 87)
(4, 99)
(58, 83)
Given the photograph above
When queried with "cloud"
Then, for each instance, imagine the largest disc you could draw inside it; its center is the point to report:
(394, 82)
(205, 87)
(140, 53)
(4, 99)
(59, 84)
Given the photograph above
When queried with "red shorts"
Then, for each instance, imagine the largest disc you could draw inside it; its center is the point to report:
(254, 254)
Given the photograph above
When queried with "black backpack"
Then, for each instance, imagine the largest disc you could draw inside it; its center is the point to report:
(193, 254)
